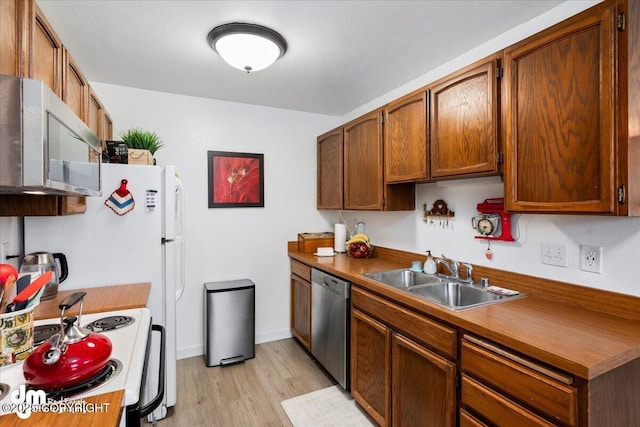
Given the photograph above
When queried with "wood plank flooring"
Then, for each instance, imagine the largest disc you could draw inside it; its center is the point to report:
(247, 394)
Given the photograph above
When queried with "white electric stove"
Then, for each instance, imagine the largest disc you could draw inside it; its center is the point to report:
(129, 347)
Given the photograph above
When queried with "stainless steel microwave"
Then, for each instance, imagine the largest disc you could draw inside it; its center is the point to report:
(44, 147)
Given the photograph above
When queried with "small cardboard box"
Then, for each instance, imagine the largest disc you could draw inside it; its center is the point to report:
(310, 242)
(140, 157)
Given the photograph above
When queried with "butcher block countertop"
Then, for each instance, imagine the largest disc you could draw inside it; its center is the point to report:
(584, 331)
(105, 298)
(104, 409)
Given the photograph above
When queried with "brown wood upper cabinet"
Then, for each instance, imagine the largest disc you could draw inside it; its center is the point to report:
(75, 89)
(330, 170)
(13, 37)
(46, 51)
(406, 139)
(30, 48)
(364, 186)
(570, 113)
(464, 113)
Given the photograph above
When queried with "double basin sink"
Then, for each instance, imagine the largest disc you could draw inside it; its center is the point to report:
(455, 294)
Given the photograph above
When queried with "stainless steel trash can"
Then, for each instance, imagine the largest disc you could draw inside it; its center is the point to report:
(229, 322)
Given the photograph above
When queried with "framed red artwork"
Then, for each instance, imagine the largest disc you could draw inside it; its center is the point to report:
(236, 180)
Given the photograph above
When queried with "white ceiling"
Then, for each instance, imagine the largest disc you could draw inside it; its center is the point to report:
(341, 54)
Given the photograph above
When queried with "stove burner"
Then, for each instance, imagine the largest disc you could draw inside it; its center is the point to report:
(42, 333)
(110, 323)
(108, 373)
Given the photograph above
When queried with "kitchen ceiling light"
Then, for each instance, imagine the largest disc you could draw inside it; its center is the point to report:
(247, 47)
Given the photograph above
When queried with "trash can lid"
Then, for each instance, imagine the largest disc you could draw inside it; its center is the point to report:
(229, 285)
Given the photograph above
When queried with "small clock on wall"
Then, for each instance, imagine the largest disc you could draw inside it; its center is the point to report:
(486, 225)
(492, 222)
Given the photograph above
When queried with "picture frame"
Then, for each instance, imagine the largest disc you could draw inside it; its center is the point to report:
(236, 180)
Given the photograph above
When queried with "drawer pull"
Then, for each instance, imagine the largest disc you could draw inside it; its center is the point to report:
(565, 379)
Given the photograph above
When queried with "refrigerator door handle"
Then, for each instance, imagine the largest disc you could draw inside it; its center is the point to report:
(181, 279)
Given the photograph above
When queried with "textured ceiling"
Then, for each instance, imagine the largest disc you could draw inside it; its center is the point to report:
(341, 54)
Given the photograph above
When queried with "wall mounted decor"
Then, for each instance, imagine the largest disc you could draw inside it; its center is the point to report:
(236, 180)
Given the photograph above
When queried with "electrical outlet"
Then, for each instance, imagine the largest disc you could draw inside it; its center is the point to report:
(591, 258)
(553, 254)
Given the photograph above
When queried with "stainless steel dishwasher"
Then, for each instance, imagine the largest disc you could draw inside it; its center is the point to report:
(330, 324)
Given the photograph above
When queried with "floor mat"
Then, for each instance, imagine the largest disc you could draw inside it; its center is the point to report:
(329, 407)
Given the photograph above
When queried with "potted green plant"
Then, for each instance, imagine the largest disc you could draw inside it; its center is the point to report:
(138, 140)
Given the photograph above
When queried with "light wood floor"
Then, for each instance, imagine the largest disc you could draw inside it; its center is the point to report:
(247, 394)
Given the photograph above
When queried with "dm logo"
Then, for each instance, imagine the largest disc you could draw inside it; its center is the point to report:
(26, 400)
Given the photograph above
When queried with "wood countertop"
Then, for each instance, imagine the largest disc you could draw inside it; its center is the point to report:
(95, 411)
(104, 298)
(583, 331)
(103, 409)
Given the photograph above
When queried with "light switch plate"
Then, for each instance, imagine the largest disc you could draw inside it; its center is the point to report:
(555, 254)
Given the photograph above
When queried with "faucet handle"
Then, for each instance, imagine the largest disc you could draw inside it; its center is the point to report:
(469, 269)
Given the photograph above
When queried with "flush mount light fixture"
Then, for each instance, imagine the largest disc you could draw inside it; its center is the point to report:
(247, 47)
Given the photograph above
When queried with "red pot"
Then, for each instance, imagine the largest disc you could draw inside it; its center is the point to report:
(69, 358)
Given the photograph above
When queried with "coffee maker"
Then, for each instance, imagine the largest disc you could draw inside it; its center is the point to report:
(37, 263)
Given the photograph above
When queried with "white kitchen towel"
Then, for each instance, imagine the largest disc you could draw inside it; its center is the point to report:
(328, 407)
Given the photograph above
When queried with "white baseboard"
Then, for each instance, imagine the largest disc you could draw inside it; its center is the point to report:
(198, 350)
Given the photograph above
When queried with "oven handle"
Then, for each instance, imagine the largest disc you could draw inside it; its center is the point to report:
(157, 400)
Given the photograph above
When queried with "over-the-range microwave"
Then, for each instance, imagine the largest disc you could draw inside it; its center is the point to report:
(44, 147)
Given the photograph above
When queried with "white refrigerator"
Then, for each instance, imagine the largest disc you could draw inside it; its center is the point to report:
(145, 244)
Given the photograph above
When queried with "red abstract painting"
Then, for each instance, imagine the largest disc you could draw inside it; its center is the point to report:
(236, 179)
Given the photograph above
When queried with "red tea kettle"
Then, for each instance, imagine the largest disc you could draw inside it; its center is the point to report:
(70, 357)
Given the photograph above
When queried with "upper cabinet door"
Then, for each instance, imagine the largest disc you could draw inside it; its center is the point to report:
(75, 89)
(13, 37)
(363, 186)
(46, 52)
(464, 122)
(405, 139)
(560, 112)
(330, 169)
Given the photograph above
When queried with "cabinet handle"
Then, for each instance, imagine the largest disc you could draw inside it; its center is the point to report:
(565, 379)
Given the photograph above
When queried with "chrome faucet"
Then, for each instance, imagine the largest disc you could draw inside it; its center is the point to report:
(450, 265)
(454, 268)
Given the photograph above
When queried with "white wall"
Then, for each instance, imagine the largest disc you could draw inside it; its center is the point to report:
(619, 237)
(232, 243)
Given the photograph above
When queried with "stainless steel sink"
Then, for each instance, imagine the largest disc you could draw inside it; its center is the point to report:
(403, 278)
(442, 290)
(457, 295)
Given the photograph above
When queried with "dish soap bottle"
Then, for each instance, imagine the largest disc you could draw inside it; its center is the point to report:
(430, 266)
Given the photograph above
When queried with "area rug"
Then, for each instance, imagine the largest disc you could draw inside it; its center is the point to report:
(329, 407)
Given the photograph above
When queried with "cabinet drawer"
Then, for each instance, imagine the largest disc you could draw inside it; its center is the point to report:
(440, 338)
(468, 420)
(495, 408)
(532, 384)
(301, 270)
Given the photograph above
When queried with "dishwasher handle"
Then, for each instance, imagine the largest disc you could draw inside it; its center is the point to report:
(332, 284)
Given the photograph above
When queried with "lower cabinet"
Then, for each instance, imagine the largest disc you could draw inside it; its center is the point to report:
(301, 303)
(423, 386)
(398, 381)
(503, 388)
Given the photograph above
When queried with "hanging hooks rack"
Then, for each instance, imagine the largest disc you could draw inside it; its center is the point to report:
(440, 212)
